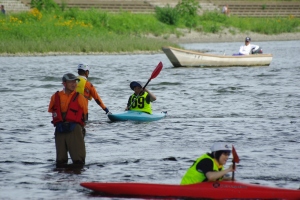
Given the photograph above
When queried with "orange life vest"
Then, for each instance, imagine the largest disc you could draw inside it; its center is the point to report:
(73, 114)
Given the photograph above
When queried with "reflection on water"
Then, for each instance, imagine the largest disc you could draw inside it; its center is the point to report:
(256, 109)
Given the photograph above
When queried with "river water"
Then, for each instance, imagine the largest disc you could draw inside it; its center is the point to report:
(255, 108)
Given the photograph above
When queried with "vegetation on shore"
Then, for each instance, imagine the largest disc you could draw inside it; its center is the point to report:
(52, 28)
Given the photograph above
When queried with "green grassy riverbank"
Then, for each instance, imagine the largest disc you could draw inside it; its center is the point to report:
(78, 31)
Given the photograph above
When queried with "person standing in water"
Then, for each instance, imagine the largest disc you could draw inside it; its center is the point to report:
(87, 89)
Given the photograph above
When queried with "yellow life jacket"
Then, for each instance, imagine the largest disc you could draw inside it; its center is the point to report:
(81, 88)
(194, 176)
(140, 104)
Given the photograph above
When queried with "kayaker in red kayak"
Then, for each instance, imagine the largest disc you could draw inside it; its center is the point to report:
(141, 99)
(209, 166)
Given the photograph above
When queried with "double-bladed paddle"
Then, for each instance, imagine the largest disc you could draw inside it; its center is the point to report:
(235, 159)
(154, 74)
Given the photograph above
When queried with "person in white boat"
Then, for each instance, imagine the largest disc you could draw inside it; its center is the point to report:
(209, 166)
(248, 48)
(141, 99)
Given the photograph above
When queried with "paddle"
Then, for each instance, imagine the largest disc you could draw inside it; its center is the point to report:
(235, 159)
(153, 75)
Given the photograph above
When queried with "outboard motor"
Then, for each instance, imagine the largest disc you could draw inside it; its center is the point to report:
(258, 51)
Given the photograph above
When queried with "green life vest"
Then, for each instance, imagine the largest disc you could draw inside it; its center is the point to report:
(140, 104)
(194, 176)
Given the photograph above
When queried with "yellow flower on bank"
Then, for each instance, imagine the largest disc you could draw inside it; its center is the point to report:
(14, 20)
(36, 13)
(71, 23)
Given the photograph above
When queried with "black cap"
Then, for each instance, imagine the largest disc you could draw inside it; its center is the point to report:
(247, 39)
(134, 84)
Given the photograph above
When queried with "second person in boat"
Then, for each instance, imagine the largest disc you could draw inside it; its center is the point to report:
(141, 99)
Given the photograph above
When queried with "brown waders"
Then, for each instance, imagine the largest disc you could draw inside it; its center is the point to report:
(72, 142)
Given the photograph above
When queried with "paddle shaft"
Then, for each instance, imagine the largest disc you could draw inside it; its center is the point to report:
(233, 166)
(235, 159)
(146, 85)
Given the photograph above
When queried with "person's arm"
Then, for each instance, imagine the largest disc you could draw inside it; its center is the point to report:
(254, 47)
(213, 175)
(96, 97)
(82, 103)
(51, 104)
(152, 96)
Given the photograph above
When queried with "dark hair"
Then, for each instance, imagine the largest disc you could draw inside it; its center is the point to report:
(81, 72)
(217, 154)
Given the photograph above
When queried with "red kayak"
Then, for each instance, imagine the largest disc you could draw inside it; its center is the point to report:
(210, 190)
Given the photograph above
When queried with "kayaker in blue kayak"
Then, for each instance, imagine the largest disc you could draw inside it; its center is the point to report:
(141, 99)
(209, 166)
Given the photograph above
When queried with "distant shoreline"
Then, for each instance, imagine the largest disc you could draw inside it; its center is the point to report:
(193, 37)
(225, 36)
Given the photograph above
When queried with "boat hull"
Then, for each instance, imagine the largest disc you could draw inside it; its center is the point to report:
(136, 116)
(211, 190)
(187, 58)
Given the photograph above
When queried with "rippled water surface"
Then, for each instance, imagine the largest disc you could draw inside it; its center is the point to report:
(256, 108)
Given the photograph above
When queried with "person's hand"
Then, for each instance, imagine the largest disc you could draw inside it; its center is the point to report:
(231, 169)
(106, 111)
(109, 113)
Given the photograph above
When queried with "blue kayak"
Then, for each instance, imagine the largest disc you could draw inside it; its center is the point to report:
(136, 116)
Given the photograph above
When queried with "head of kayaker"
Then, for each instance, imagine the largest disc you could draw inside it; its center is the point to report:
(141, 99)
(220, 153)
(209, 166)
(137, 87)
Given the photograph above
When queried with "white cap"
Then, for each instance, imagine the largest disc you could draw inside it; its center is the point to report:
(220, 147)
(84, 67)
